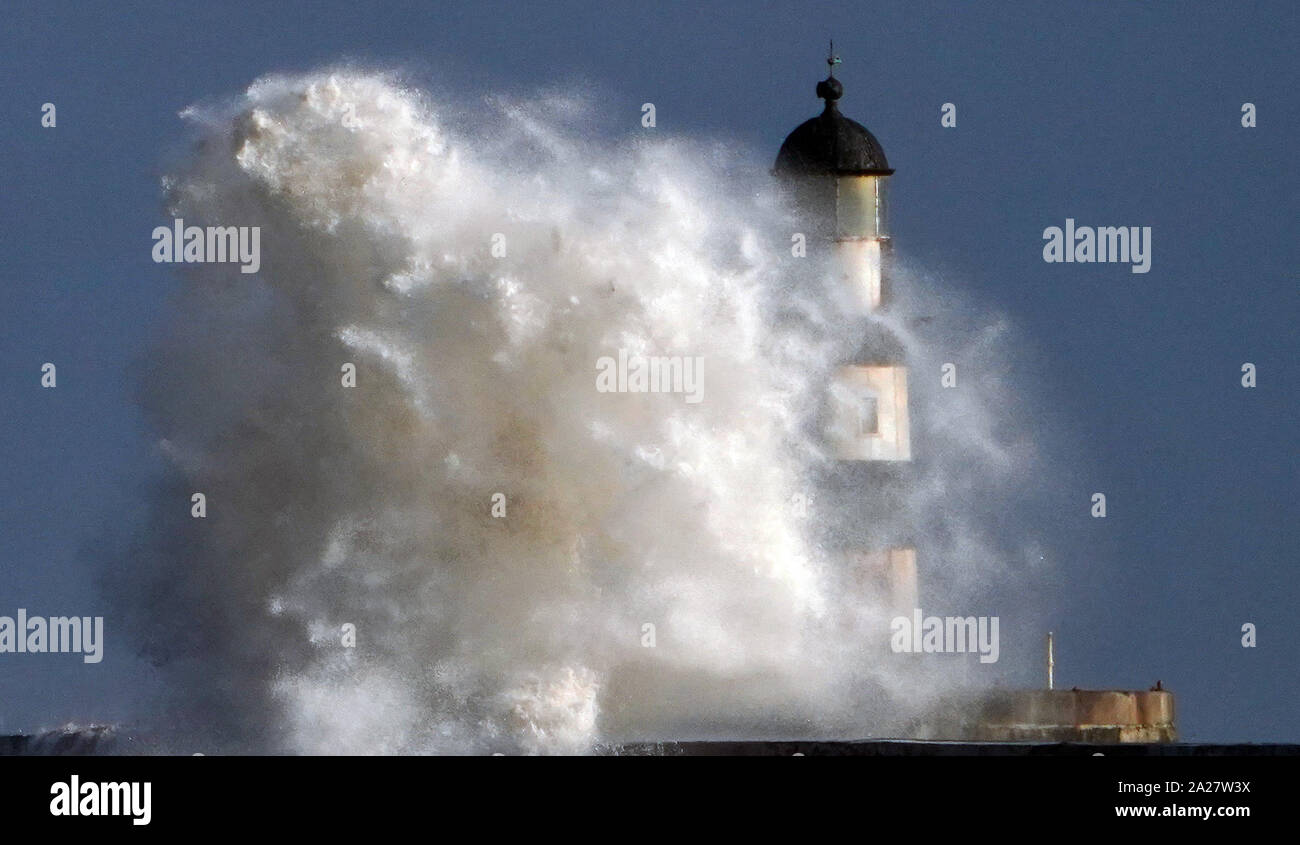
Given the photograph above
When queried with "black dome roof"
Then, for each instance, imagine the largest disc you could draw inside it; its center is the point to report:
(831, 143)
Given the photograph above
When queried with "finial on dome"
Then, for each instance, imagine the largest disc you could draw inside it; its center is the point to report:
(830, 89)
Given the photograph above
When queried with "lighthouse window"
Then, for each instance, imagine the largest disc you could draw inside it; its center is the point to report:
(868, 418)
(856, 207)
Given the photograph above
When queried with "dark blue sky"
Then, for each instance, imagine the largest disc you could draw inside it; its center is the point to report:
(1113, 114)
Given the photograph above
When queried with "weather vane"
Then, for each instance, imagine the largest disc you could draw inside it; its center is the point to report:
(831, 59)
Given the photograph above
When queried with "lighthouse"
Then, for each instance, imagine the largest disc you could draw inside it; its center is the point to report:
(838, 176)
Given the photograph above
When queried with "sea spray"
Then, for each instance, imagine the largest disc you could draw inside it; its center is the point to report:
(472, 269)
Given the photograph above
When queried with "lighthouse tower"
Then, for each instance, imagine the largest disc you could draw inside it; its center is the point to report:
(837, 172)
